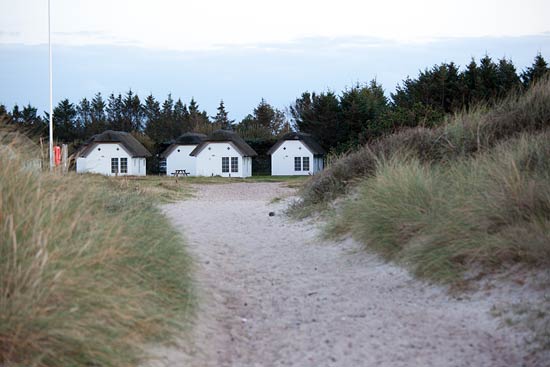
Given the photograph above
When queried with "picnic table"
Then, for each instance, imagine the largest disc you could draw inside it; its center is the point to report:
(180, 172)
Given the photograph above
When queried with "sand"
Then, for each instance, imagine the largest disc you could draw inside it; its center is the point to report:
(273, 293)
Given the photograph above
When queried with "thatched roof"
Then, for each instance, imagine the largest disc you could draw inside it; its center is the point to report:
(127, 140)
(185, 139)
(308, 140)
(220, 136)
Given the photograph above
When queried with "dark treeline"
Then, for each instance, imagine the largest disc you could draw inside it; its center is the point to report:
(338, 121)
(152, 122)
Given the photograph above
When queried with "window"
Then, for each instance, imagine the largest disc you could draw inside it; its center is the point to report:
(305, 164)
(114, 165)
(234, 164)
(297, 163)
(123, 165)
(225, 164)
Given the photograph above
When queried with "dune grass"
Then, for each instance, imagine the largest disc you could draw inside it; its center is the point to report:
(458, 137)
(90, 271)
(492, 209)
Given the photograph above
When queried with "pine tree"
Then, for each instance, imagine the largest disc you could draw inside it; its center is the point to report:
(221, 119)
(151, 110)
(508, 79)
(16, 117)
(154, 121)
(4, 115)
(198, 121)
(84, 117)
(181, 118)
(535, 71)
(362, 108)
(266, 122)
(132, 114)
(319, 115)
(471, 82)
(114, 112)
(64, 120)
(488, 79)
(98, 118)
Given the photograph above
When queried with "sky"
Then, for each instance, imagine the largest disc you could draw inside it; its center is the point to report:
(242, 51)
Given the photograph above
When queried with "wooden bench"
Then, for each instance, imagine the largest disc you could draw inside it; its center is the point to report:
(180, 172)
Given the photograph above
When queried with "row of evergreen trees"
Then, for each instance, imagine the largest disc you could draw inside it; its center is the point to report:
(161, 123)
(359, 113)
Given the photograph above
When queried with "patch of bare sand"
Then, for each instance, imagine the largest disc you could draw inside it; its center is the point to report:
(273, 294)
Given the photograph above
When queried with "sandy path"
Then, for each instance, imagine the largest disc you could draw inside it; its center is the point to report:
(273, 294)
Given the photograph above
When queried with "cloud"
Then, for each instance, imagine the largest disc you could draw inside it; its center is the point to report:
(91, 37)
(9, 34)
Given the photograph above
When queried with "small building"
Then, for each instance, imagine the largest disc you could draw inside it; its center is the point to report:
(178, 157)
(296, 154)
(224, 153)
(112, 153)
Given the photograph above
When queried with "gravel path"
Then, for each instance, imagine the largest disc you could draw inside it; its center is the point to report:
(273, 294)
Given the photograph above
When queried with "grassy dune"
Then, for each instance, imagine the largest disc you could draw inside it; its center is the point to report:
(475, 190)
(439, 220)
(90, 270)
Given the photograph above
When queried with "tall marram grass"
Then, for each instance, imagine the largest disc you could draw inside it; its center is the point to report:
(460, 136)
(440, 219)
(89, 272)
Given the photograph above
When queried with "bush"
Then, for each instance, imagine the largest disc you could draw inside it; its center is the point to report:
(88, 272)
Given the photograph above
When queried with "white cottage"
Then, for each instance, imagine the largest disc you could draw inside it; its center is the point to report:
(178, 156)
(296, 154)
(224, 153)
(112, 153)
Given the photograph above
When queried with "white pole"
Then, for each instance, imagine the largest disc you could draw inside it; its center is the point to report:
(51, 90)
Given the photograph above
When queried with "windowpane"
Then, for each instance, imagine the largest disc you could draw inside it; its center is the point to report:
(114, 165)
(123, 165)
(225, 164)
(297, 163)
(234, 164)
(305, 164)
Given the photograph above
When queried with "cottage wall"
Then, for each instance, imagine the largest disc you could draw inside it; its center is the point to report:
(282, 160)
(179, 158)
(99, 161)
(209, 160)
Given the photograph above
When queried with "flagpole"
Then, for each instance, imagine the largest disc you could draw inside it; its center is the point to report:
(51, 89)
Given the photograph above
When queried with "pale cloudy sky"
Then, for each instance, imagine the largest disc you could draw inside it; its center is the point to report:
(204, 24)
(241, 51)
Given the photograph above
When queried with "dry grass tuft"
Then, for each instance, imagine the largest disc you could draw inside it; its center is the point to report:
(89, 272)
